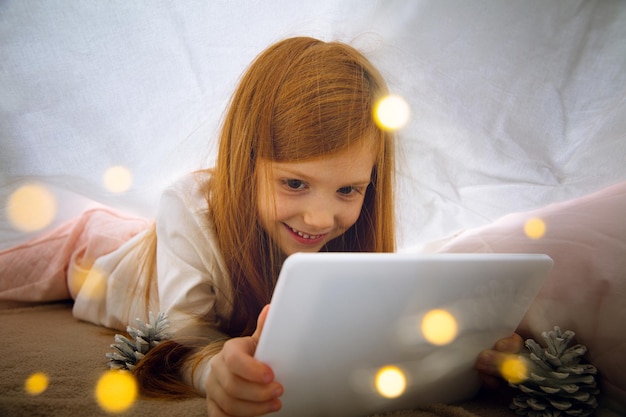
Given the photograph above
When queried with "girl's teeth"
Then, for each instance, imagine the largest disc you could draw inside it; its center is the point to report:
(304, 235)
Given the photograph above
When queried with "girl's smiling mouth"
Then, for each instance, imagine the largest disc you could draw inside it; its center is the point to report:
(305, 238)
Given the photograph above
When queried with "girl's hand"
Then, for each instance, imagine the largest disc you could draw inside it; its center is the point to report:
(238, 384)
(489, 361)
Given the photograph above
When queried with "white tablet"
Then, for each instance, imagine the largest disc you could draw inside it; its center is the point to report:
(352, 334)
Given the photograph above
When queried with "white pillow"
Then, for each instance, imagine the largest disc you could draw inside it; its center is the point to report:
(586, 290)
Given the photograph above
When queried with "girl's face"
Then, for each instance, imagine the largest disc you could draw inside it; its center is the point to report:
(305, 204)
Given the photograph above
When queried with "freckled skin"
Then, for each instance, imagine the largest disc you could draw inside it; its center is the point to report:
(305, 204)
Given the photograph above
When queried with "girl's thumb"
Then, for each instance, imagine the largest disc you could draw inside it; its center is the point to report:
(260, 323)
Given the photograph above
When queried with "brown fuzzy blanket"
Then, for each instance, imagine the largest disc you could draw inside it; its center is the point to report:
(46, 338)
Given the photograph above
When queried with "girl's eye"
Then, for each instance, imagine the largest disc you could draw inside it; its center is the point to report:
(295, 184)
(348, 191)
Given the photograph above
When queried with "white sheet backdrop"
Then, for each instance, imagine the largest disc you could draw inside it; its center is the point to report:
(514, 104)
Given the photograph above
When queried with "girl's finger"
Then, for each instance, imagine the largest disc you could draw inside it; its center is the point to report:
(236, 406)
(260, 324)
(237, 357)
(488, 362)
(512, 344)
(242, 389)
(242, 409)
(224, 377)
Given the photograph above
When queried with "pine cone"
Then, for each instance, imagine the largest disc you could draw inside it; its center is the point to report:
(128, 352)
(557, 383)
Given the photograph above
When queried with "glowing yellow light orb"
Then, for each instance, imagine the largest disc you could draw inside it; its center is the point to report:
(91, 284)
(31, 207)
(36, 383)
(535, 228)
(390, 382)
(439, 327)
(116, 391)
(514, 369)
(118, 179)
(391, 112)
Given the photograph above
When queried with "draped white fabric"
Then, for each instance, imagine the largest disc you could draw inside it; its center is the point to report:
(513, 104)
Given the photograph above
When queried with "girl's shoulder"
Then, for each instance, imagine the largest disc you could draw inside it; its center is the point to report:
(191, 189)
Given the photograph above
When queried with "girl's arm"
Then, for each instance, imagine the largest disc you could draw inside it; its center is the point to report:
(193, 289)
(193, 284)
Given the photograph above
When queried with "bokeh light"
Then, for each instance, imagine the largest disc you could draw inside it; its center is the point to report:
(439, 327)
(390, 382)
(92, 284)
(514, 369)
(36, 384)
(118, 179)
(31, 207)
(391, 112)
(116, 391)
(535, 228)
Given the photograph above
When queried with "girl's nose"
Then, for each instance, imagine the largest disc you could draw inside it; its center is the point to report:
(319, 218)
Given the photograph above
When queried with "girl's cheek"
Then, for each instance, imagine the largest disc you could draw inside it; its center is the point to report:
(351, 218)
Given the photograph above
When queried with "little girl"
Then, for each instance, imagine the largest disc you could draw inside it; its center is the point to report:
(301, 167)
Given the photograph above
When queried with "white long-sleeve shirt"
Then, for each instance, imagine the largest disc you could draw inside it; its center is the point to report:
(192, 280)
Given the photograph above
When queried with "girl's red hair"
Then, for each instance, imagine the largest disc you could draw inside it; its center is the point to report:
(300, 99)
